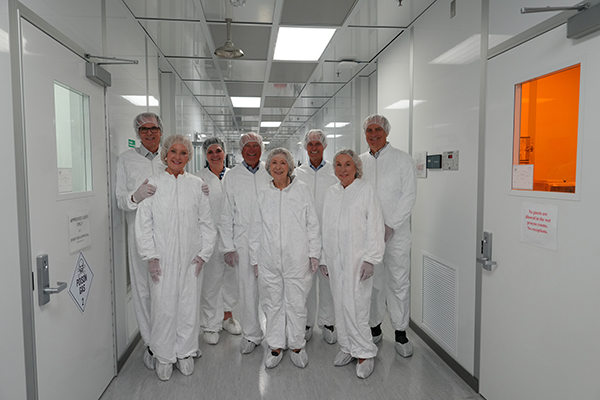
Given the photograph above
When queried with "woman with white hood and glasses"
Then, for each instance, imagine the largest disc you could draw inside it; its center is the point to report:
(175, 235)
(353, 232)
(220, 285)
(285, 247)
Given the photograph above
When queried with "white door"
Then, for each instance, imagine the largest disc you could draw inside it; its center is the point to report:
(540, 318)
(68, 204)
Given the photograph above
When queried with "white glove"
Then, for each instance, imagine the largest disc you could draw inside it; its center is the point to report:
(324, 271)
(154, 269)
(205, 188)
(145, 190)
(366, 270)
(314, 265)
(199, 263)
(388, 233)
(256, 271)
(232, 258)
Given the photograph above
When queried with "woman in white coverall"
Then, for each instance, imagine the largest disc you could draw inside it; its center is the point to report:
(353, 243)
(175, 235)
(285, 247)
(219, 292)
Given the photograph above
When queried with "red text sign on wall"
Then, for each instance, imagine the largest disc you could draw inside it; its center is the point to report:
(538, 224)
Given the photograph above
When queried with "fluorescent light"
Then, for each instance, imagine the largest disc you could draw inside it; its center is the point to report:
(270, 124)
(333, 136)
(301, 44)
(468, 50)
(141, 100)
(266, 142)
(246, 102)
(337, 124)
(403, 104)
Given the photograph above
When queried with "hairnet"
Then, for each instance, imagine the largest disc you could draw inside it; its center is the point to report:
(145, 118)
(355, 159)
(251, 137)
(315, 134)
(379, 120)
(213, 140)
(170, 141)
(281, 152)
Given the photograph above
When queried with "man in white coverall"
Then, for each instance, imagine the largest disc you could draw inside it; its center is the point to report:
(318, 175)
(241, 186)
(134, 167)
(393, 174)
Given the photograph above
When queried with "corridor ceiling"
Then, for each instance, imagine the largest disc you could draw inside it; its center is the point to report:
(186, 33)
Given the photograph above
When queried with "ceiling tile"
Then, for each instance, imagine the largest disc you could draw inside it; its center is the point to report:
(243, 70)
(259, 11)
(291, 72)
(178, 38)
(272, 101)
(251, 39)
(244, 89)
(316, 12)
(172, 9)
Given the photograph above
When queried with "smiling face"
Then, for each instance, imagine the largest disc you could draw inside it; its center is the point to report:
(345, 170)
(315, 149)
(177, 158)
(215, 157)
(279, 168)
(251, 153)
(376, 137)
(150, 136)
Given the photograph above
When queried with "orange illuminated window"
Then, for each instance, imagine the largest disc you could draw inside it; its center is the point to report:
(545, 139)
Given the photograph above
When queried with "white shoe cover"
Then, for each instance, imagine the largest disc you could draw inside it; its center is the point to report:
(247, 346)
(308, 334)
(164, 371)
(299, 359)
(342, 359)
(405, 350)
(378, 338)
(211, 337)
(148, 359)
(272, 361)
(365, 369)
(329, 336)
(186, 365)
(232, 326)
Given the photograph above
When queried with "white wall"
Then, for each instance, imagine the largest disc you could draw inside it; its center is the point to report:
(444, 216)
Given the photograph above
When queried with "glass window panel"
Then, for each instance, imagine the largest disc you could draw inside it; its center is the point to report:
(73, 148)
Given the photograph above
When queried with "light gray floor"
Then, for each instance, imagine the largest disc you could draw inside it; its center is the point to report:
(224, 373)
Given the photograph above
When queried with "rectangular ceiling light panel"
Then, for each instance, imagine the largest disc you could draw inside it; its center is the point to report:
(246, 102)
(301, 44)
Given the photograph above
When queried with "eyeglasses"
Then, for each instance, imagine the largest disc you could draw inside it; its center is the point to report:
(153, 129)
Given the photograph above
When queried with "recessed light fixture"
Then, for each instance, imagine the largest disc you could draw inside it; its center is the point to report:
(141, 100)
(270, 124)
(301, 44)
(246, 102)
(333, 136)
(337, 124)
(266, 142)
(403, 104)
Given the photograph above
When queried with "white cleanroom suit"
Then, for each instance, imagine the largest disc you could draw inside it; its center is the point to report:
(393, 174)
(241, 188)
(174, 226)
(318, 182)
(132, 170)
(285, 233)
(353, 232)
(219, 284)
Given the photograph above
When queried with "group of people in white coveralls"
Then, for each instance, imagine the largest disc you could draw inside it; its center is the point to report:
(275, 226)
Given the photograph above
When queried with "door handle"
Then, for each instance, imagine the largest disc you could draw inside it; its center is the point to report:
(486, 264)
(43, 275)
(486, 252)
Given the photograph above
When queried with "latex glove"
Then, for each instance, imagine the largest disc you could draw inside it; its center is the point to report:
(205, 188)
(324, 271)
(388, 233)
(314, 265)
(256, 271)
(232, 258)
(145, 190)
(199, 263)
(154, 269)
(366, 270)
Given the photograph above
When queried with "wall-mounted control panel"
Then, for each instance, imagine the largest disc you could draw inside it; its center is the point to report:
(450, 160)
(434, 161)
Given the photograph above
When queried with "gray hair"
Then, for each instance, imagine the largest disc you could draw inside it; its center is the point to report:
(173, 139)
(144, 118)
(280, 151)
(355, 158)
(251, 137)
(379, 120)
(212, 141)
(315, 134)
